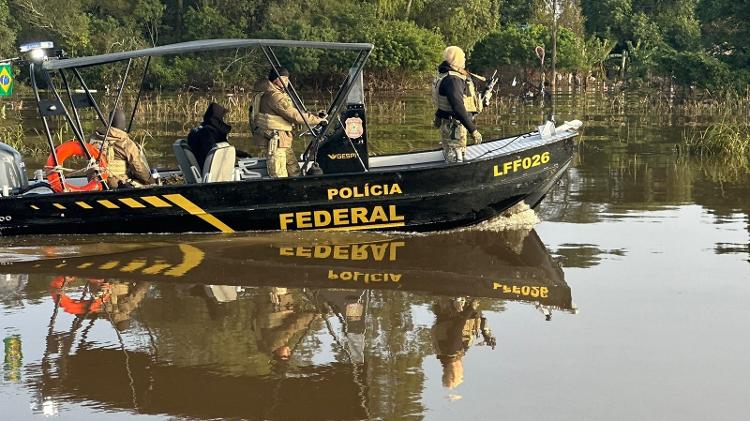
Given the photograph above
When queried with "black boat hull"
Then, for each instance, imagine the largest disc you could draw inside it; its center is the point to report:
(416, 199)
(508, 265)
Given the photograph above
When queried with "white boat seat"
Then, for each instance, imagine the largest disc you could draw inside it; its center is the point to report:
(219, 165)
(187, 162)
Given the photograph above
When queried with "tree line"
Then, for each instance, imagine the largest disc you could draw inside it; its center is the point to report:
(701, 43)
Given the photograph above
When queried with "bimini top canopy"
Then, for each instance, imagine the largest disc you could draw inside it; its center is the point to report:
(201, 45)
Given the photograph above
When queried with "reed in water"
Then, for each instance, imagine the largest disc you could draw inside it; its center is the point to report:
(728, 139)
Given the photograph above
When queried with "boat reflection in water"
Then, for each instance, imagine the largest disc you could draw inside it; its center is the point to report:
(313, 325)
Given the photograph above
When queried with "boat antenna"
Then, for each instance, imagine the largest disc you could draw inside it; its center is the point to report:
(554, 59)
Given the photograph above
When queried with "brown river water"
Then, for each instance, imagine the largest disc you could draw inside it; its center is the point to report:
(628, 301)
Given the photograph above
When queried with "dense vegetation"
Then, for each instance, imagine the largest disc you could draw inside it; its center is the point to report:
(694, 42)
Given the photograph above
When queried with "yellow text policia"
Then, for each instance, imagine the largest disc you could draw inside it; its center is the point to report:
(364, 191)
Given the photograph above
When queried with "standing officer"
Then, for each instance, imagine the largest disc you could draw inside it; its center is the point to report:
(457, 101)
(457, 323)
(272, 116)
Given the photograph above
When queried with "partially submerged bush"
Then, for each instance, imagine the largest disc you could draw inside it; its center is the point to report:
(719, 139)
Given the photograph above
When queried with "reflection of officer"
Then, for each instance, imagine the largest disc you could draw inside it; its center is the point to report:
(280, 322)
(349, 306)
(123, 299)
(457, 101)
(457, 323)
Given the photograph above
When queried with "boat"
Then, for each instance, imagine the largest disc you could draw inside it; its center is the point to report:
(342, 186)
(221, 283)
(507, 265)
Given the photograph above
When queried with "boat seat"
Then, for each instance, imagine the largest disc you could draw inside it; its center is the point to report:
(187, 162)
(251, 168)
(219, 164)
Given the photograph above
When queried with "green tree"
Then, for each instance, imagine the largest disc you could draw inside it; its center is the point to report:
(569, 15)
(209, 22)
(676, 20)
(117, 25)
(700, 69)
(403, 46)
(65, 21)
(726, 34)
(571, 50)
(305, 21)
(7, 32)
(607, 18)
(393, 9)
(597, 51)
(516, 11)
(514, 46)
(510, 46)
(461, 23)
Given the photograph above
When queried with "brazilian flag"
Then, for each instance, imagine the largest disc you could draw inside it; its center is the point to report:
(6, 80)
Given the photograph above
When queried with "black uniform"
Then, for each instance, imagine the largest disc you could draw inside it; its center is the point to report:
(454, 89)
(212, 131)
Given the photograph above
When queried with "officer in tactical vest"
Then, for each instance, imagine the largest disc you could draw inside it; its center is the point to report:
(126, 162)
(457, 322)
(282, 318)
(457, 101)
(272, 116)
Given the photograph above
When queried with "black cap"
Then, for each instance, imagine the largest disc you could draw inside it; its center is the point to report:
(119, 121)
(283, 71)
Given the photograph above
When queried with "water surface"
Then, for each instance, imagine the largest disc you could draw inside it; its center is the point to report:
(627, 302)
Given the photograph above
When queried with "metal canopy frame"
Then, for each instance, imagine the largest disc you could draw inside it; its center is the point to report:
(266, 46)
(199, 46)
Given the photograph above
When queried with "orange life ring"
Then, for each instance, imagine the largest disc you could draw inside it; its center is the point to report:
(74, 306)
(65, 151)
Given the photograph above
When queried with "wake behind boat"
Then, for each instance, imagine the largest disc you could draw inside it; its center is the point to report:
(352, 191)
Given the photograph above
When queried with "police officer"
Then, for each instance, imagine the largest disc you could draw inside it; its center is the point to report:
(457, 101)
(272, 116)
(211, 131)
(282, 317)
(126, 162)
(457, 322)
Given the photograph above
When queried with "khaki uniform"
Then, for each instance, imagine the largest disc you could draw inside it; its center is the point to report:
(272, 119)
(453, 134)
(457, 323)
(123, 300)
(281, 320)
(125, 160)
(453, 138)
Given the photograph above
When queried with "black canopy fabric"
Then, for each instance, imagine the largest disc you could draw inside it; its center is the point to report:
(197, 46)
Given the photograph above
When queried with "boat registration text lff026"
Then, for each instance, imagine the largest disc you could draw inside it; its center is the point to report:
(519, 164)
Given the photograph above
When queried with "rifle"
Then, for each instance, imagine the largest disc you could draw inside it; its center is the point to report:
(488, 90)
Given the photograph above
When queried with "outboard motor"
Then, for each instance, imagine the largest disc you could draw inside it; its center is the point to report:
(345, 150)
(13, 177)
